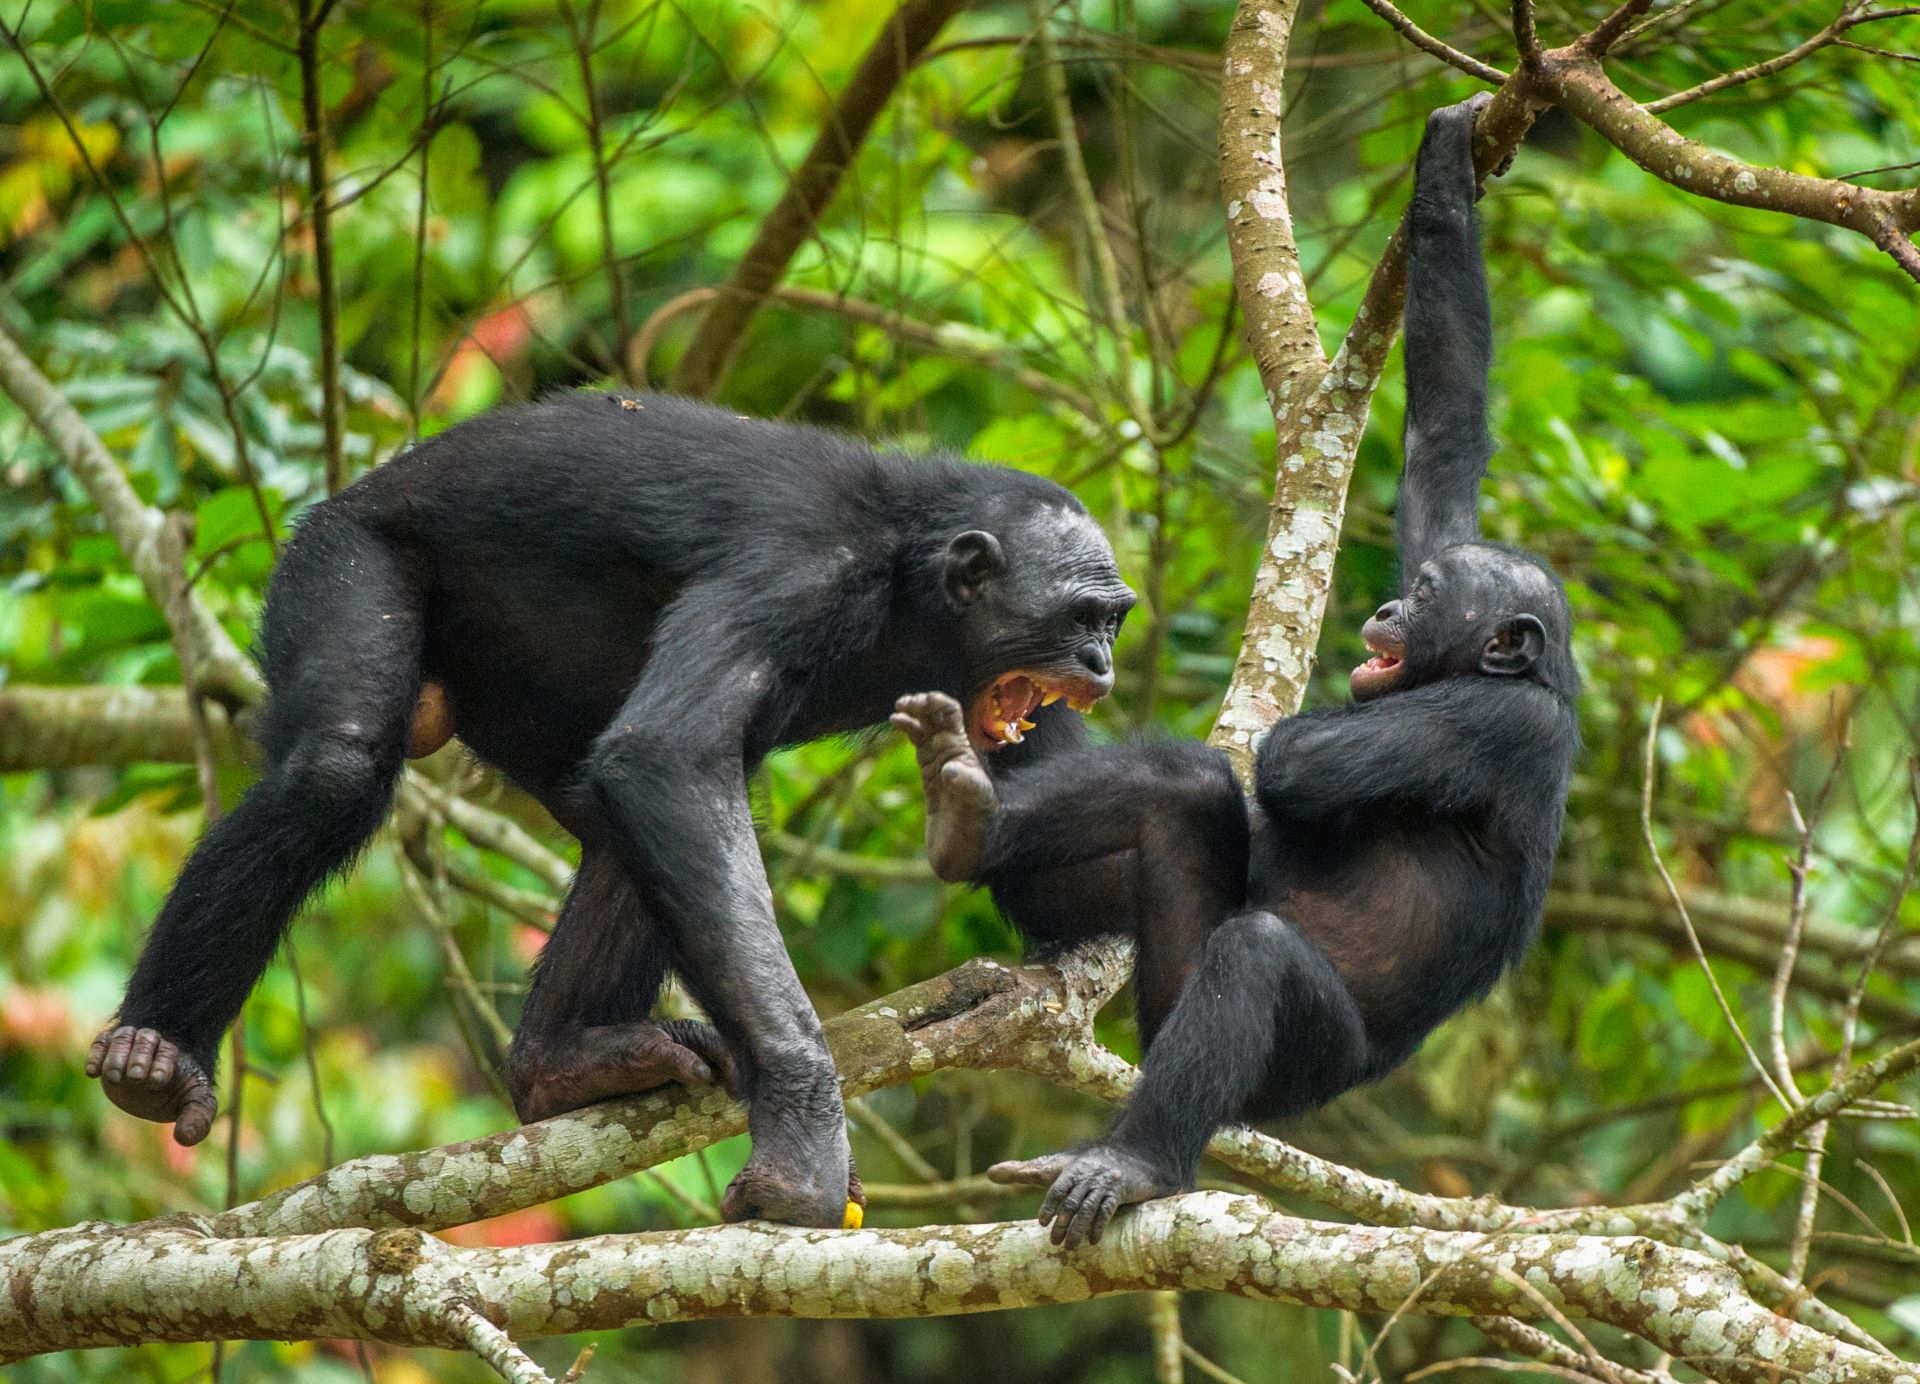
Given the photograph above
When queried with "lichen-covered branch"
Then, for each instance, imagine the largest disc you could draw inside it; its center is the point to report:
(979, 1015)
(94, 1285)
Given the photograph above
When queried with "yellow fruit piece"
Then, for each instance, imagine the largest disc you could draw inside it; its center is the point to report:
(855, 1217)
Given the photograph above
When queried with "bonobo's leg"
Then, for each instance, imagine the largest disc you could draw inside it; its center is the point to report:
(1449, 345)
(343, 668)
(1146, 840)
(586, 1034)
(1262, 988)
(669, 775)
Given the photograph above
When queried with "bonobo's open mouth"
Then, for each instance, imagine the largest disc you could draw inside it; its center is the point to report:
(999, 714)
(1379, 673)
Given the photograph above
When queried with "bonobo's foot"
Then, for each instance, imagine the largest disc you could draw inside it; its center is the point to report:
(960, 796)
(763, 1192)
(567, 1072)
(1086, 1186)
(154, 1078)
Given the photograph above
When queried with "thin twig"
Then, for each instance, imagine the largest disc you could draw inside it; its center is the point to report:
(332, 403)
(1163, 1321)
(1427, 43)
(1686, 919)
(1799, 869)
(494, 1346)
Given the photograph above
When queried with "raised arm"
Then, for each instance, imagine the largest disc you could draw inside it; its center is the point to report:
(1449, 346)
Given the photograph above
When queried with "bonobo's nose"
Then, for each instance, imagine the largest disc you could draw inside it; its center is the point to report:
(1387, 613)
(1097, 659)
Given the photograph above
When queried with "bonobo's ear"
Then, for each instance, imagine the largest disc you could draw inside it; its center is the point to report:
(973, 559)
(1514, 647)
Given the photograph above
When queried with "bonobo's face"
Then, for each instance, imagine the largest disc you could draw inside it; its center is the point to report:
(1040, 603)
(1475, 608)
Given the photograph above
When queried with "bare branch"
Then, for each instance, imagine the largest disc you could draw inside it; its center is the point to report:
(320, 214)
(1886, 218)
(1525, 39)
(1848, 18)
(1600, 39)
(1427, 43)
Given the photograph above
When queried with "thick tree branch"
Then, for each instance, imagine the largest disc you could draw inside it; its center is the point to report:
(94, 1285)
(906, 36)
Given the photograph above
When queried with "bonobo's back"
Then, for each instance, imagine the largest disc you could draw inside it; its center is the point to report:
(670, 482)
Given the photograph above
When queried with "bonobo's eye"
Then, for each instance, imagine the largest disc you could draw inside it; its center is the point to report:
(1095, 617)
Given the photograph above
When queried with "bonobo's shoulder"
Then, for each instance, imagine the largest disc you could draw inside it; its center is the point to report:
(1490, 702)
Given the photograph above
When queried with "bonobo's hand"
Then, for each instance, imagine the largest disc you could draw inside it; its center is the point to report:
(960, 796)
(1450, 133)
(154, 1078)
(1086, 1186)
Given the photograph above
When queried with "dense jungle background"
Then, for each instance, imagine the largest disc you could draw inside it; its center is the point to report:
(1710, 422)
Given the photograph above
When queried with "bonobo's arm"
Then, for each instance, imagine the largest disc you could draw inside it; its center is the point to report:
(1449, 346)
(1451, 746)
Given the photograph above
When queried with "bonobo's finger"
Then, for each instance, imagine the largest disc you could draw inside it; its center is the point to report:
(1053, 1206)
(163, 1065)
(1030, 1172)
(1086, 1216)
(1477, 102)
(97, 1051)
(146, 1045)
(907, 726)
(196, 1116)
(114, 1068)
(1103, 1215)
(1068, 1223)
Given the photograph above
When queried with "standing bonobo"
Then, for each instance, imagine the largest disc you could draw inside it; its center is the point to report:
(1399, 848)
(624, 604)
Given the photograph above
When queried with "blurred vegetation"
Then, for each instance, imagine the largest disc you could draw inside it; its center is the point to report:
(1710, 422)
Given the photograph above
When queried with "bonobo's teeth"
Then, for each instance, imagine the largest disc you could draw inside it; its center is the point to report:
(1049, 697)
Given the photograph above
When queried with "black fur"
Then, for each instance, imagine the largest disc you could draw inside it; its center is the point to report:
(1400, 848)
(629, 602)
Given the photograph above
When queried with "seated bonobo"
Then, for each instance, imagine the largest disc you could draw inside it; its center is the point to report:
(1396, 854)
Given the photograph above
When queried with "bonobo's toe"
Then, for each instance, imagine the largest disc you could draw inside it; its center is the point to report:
(610, 1060)
(150, 1076)
(765, 1190)
(1086, 1187)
